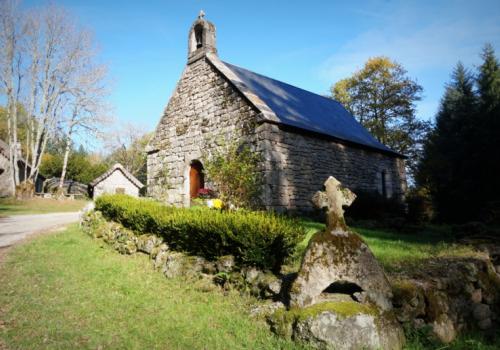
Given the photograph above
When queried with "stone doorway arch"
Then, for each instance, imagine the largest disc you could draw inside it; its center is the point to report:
(196, 178)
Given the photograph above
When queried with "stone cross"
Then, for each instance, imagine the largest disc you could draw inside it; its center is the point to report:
(334, 198)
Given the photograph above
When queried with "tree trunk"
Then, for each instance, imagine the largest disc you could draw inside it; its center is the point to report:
(65, 162)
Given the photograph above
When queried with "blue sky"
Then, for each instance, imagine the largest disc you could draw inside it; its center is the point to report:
(311, 44)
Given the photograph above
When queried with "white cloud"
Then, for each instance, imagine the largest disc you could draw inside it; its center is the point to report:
(419, 40)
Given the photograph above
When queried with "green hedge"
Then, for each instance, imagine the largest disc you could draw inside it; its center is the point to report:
(257, 239)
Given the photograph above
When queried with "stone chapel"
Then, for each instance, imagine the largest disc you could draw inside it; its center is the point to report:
(303, 137)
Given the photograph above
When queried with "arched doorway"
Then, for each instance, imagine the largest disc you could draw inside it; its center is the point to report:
(196, 178)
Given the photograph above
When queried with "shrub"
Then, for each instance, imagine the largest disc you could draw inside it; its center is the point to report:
(373, 206)
(254, 238)
(234, 170)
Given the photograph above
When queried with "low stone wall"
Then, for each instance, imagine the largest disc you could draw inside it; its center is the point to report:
(222, 273)
(450, 296)
(445, 297)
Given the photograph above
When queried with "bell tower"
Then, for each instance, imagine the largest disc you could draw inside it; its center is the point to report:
(201, 38)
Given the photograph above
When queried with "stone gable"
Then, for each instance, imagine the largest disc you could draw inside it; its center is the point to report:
(204, 111)
(211, 106)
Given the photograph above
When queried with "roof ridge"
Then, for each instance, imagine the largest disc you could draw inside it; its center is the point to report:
(125, 172)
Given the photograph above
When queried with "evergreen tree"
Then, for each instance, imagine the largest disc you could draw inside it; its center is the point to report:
(444, 166)
(487, 136)
(461, 164)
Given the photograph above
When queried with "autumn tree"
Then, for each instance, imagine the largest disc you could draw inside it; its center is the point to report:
(382, 98)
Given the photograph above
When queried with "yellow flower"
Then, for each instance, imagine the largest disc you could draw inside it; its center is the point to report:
(217, 203)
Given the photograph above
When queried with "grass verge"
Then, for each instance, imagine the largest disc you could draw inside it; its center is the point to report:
(66, 291)
(12, 206)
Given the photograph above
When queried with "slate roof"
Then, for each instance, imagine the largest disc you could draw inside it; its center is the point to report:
(124, 171)
(289, 105)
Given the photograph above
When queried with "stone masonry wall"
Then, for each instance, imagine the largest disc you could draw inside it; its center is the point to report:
(204, 112)
(297, 165)
(206, 109)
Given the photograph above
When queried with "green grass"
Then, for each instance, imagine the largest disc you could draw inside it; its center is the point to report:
(67, 291)
(12, 206)
(400, 252)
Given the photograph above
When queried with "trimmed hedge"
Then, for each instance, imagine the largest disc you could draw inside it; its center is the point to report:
(257, 239)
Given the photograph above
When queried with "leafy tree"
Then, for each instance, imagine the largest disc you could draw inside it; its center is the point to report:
(382, 98)
(82, 167)
(234, 171)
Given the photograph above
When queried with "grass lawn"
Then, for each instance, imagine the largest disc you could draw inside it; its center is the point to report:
(66, 291)
(399, 252)
(12, 206)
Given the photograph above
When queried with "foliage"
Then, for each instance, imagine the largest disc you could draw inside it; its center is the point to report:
(373, 206)
(233, 169)
(82, 167)
(254, 238)
(460, 166)
(129, 149)
(420, 207)
(64, 291)
(382, 98)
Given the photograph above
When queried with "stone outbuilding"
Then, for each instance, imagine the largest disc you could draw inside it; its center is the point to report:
(303, 137)
(115, 180)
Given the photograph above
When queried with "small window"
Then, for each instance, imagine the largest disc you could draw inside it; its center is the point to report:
(120, 190)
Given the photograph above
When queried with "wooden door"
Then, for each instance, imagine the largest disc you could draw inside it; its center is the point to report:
(195, 179)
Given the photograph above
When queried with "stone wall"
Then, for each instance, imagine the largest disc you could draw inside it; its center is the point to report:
(204, 112)
(115, 183)
(297, 164)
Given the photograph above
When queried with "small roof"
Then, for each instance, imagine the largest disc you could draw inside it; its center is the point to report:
(125, 172)
(289, 105)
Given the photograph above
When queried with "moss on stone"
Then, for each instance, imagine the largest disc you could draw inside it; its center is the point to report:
(282, 320)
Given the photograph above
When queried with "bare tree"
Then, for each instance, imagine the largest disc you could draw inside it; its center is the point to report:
(48, 64)
(127, 145)
(87, 110)
(11, 75)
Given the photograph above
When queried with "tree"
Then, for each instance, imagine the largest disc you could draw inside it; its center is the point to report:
(46, 65)
(382, 98)
(128, 145)
(86, 109)
(446, 158)
(461, 164)
(11, 59)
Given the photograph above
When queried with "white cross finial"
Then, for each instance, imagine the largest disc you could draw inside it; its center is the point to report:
(201, 14)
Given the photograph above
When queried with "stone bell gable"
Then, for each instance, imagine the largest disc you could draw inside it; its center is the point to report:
(303, 137)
